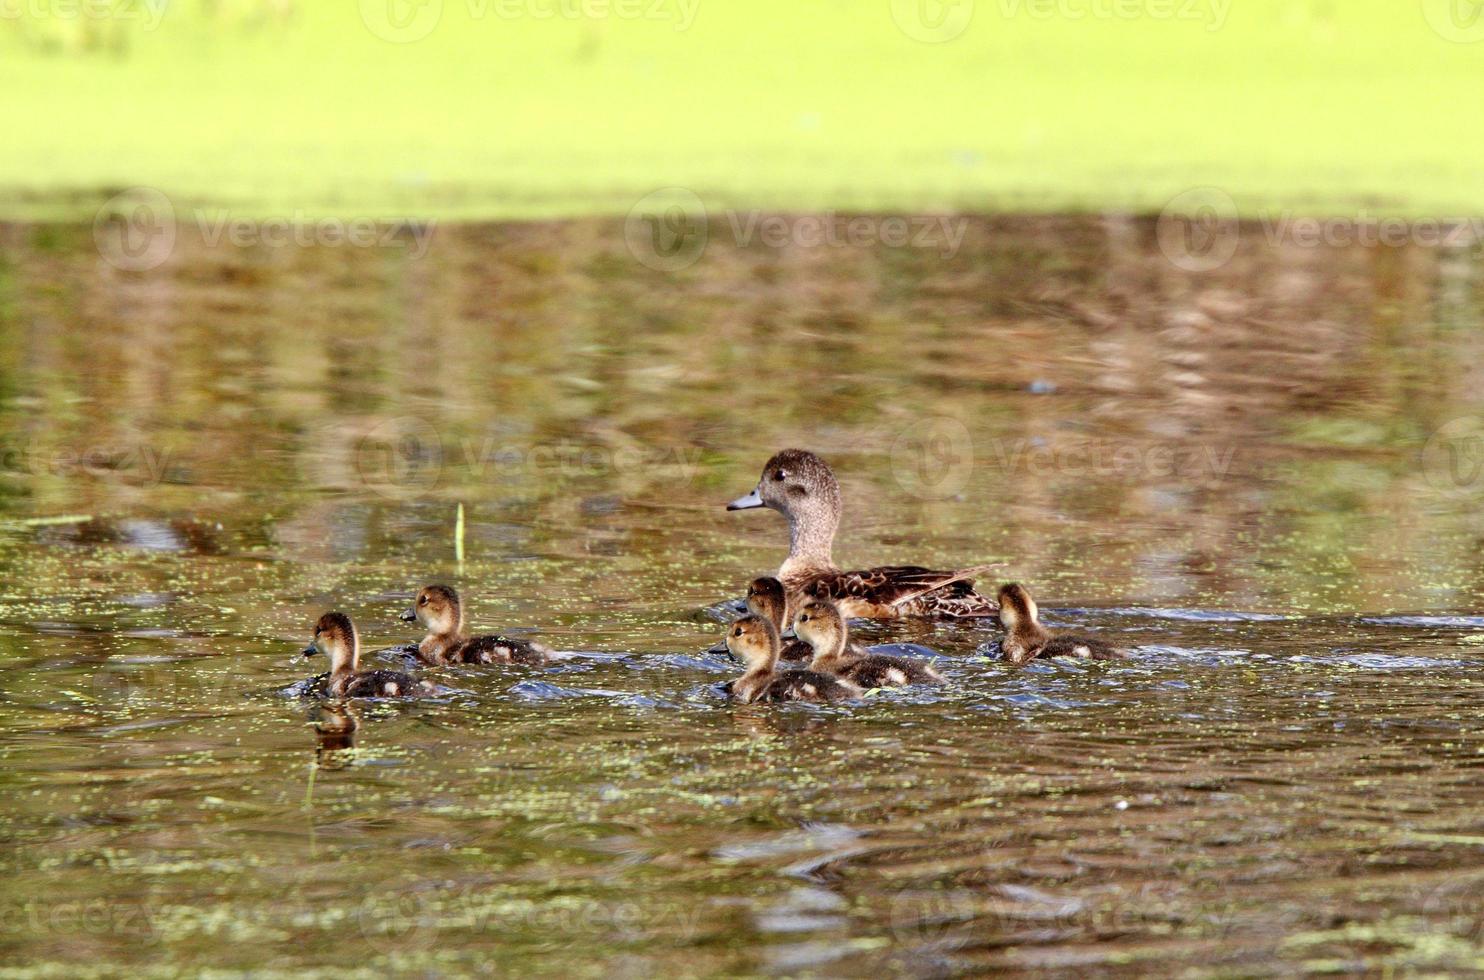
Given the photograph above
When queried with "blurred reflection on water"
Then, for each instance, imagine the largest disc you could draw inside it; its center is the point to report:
(1267, 477)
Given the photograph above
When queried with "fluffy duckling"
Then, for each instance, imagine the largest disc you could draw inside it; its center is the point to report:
(767, 598)
(753, 640)
(821, 625)
(438, 609)
(1026, 639)
(335, 636)
(802, 487)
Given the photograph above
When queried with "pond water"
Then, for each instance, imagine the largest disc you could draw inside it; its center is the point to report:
(1264, 478)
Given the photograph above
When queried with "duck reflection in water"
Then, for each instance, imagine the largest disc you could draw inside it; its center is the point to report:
(335, 725)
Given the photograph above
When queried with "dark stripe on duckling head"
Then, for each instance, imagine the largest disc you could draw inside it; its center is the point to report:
(1017, 608)
(766, 598)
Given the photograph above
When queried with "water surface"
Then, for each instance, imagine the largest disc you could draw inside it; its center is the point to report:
(1259, 478)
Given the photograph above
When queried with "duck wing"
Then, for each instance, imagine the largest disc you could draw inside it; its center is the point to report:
(806, 685)
(1086, 647)
(501, 650)
(891, 591)
(383, 684)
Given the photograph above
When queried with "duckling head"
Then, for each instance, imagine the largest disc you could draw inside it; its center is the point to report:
(753, 640)
(819, 624)
(1017, 608)
(801, 487)
(766, 598)
(335, 637)
(437, 609)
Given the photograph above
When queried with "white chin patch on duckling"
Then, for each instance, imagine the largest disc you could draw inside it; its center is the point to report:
(896, 676)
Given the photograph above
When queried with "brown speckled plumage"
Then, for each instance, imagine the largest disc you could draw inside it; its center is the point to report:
(802, 487)
(1025, 637)
(753, 640)
(821, 625)
(438, 609)
(336, 637)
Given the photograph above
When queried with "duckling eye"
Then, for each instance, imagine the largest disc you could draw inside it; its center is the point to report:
(737, 631)
(803, 619)
(780, 475)
(422, 600)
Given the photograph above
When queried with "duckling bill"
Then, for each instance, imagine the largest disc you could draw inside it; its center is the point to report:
(754, 641)
(1025, 637)
(802, 487)
(821, 625)
(438, 610)
(335, 636)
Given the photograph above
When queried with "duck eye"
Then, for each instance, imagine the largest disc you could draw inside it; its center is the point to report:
(780, 475)
(422, 600)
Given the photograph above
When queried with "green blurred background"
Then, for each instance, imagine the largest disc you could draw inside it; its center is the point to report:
(515, 108)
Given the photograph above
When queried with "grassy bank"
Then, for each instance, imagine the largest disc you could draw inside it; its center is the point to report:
(479, 108)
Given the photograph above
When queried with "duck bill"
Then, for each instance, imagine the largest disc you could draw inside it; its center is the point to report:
(752, 500)
(308, 652)
(408, 615)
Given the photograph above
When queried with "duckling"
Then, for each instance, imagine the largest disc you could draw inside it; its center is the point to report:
(753, 640)
(802, 487)
(438, 609)
(1026, 639)
(767, 598)
(821, 625)
(335, 636)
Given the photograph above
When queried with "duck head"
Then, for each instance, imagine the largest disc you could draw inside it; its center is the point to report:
(753, 641)
(1017, 608)
(767, 598)
(335, 637)
(437, 609)
(819, 624)
(802, 487)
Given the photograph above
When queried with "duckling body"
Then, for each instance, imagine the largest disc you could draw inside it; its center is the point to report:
(753, 640)
(766, 597)
(336, 637)
(438, 609)
(1025, 637)
(802, 487)
(822, 626)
